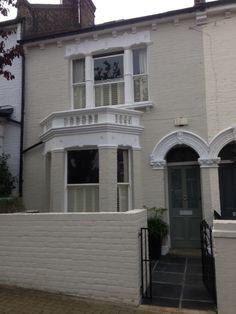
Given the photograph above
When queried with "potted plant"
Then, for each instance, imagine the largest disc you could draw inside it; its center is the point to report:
(157, 231)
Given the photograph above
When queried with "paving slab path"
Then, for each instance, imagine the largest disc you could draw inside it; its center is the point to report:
(26, 301)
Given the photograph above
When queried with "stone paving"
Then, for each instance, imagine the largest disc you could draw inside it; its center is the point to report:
(25, 301)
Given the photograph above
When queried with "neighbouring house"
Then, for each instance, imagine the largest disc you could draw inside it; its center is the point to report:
(10, 107)
(131, 113)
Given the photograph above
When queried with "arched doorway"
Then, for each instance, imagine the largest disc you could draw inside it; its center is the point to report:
(184, 197)
(227, 181)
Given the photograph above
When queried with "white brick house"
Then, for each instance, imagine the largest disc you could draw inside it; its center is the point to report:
(10, 106)
(132, 113)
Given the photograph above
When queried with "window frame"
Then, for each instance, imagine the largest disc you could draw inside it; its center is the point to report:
(124, 103)
(68, 185)
(109, 82)
(73, 85)
(129, 183)
(146, 74)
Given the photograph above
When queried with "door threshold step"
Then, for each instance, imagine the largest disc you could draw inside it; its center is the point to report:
(172, 310)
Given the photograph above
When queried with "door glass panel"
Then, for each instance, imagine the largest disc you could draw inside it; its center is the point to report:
(192, 187)
(176, 188)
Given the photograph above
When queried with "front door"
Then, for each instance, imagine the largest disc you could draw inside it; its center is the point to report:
(185, 206)
(227, 180)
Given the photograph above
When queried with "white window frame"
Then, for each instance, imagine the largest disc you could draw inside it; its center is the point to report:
(109, 81)
(143, 74)
(77, 184)
(76, 84)
(126, 104)
(129, 183)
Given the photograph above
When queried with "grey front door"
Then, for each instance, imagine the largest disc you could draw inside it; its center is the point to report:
(227, 180)
(185, 206)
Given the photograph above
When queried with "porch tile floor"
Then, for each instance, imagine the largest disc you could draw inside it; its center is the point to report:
(177, 282)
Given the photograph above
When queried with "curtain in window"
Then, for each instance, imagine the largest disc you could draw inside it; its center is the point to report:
(78, 71)
(142, 61)
(122, 166)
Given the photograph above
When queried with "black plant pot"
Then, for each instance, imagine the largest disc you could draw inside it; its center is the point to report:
(155, 244)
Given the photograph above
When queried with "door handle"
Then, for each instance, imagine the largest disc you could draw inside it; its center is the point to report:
(185, 198)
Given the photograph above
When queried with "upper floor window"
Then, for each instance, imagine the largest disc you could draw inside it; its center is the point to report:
(79, 83)
(109, 80)
(106, 82)
(140, 75)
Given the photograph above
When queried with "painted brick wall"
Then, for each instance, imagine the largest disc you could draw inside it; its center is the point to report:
(224, 233)
(220, 72)
(177, 89)
(90, 254)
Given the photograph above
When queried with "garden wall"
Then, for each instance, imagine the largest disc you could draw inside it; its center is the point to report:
(93, 255)
(224, 234)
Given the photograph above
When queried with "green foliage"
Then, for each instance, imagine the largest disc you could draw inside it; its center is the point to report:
(157, 227)
(11, 205)
(7, 181)
(7, 54)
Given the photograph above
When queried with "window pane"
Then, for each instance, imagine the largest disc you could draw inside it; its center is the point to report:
(83, 166)
(140, 88)
(139, 61)
(78, 71)
(83, 198)
(109, 94)
(228, 152)
(192, 187)
(122, 198)
(108, 68)
(181, 154)
(122, 166)
(177, 188)
(79, 96)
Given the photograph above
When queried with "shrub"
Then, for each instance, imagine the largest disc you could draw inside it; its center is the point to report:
(7, 181)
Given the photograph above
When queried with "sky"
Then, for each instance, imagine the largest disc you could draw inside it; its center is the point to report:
(110, 10)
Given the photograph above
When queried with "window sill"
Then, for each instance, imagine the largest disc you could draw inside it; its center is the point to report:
(137, 105)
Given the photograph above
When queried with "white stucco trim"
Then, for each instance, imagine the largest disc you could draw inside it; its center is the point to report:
(106, 44)
(157, 157)
(220, 140)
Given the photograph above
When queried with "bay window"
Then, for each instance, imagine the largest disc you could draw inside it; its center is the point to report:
(109, 80)
(79, 83)
(140, 76)
(116, 79)
(123, 180)
(83, 180)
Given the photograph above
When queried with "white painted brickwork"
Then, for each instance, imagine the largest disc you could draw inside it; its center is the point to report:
(89, 254)
(224, 233)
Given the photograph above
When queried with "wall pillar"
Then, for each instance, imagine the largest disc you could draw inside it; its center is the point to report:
(128, 76)
(108, 179)
(137, 180)
(210, 192)
(89, 82)
(57, 181)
